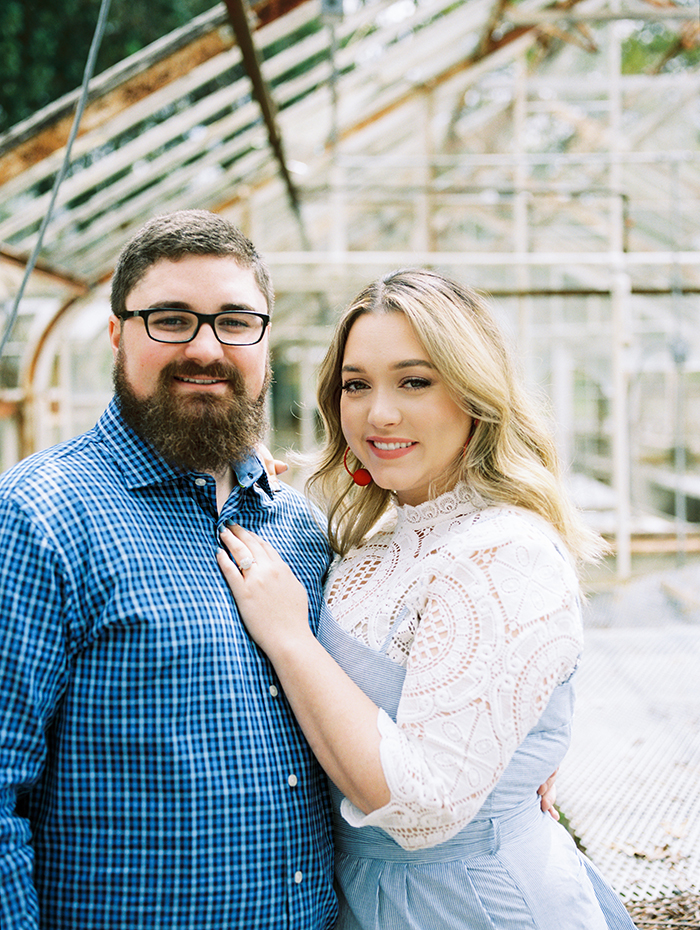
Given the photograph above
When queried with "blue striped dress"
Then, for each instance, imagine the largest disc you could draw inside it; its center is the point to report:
(511, 868)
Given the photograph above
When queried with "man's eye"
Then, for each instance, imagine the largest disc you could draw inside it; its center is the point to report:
(171, 321)
(234, 322)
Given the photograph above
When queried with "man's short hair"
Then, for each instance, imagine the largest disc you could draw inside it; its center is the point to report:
(176, 235)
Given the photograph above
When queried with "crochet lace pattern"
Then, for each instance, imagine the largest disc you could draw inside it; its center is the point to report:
(480, 604)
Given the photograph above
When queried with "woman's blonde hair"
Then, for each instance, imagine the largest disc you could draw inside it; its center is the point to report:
(510, 458)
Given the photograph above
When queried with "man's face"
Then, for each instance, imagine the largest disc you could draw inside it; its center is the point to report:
(200, 403)
(206, 284)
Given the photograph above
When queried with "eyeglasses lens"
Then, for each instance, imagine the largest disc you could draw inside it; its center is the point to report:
(234, 329)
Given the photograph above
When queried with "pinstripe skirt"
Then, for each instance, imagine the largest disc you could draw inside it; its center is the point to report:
(511, 868)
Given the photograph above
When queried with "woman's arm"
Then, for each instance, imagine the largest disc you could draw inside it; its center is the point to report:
(498, 630)
(338, 719)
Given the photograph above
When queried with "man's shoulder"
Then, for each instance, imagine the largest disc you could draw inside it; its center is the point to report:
(65, 464)
(297, 514)
(299, 503)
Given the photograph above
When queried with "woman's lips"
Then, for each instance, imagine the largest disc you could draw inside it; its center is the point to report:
(390, 448)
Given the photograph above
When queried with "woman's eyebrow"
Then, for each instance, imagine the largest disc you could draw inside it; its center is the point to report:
(407, 363)
(414, 363)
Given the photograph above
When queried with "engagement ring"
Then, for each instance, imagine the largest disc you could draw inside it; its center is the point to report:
(245, 563)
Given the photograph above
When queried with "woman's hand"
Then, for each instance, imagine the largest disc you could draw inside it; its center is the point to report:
(272, 602)
(342, 732)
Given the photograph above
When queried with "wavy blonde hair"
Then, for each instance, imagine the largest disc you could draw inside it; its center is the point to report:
(511, 457)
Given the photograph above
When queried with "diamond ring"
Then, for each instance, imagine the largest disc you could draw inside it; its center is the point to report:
(245, 563)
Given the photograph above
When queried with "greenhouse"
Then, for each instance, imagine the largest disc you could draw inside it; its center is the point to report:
(544, 153)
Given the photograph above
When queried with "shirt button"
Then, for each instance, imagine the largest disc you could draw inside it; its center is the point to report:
(292, 780)
(298, 877)
(273, 691)
(200, 482)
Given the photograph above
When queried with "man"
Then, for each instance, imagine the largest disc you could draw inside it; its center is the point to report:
(151, 772)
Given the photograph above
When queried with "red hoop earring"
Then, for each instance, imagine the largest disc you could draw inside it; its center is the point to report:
(361, 477)
(475, 423)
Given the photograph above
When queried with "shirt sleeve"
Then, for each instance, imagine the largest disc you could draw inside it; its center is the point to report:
(32, 676)
(498, 629)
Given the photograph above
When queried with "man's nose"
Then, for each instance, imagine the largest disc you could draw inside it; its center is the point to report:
(205, 347)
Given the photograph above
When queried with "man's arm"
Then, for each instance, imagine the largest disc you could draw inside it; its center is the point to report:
(32, 676)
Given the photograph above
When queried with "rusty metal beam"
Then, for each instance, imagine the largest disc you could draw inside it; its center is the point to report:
(238, 14)
(589, 291)
(124, 85)
(45, 269)
(36, 139)
(265, 11)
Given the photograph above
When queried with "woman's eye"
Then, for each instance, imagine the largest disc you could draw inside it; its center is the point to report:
(352, 387)
(415, 384)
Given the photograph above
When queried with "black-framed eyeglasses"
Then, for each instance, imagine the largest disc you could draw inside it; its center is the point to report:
(231, 327)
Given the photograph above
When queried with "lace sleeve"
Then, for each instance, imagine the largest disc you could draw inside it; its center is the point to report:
(499, 628)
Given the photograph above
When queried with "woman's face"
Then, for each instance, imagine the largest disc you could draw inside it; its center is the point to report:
(396, 412)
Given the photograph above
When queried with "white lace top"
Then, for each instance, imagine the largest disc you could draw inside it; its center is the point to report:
(481, 608)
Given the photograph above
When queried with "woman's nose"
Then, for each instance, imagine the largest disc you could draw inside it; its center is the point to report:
(384, 410)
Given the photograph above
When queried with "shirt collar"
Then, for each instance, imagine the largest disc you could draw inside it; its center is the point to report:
(142, 466)
(250, 471)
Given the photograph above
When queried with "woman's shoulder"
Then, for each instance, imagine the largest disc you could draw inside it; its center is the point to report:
(510, 554)
(506, 529)
(461, 532)
(505, 520)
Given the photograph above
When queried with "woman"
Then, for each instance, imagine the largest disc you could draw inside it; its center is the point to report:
(439, 693)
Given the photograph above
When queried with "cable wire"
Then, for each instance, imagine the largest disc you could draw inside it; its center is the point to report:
(82, 100)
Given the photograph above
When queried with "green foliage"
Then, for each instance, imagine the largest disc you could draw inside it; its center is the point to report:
(44, 45)
(652, 47)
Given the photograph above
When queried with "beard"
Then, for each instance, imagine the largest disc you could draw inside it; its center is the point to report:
(199, 431)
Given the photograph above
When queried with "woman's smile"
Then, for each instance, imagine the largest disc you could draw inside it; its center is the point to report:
(390, 448)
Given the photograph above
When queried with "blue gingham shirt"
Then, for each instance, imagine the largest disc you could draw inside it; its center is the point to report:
(151, 772)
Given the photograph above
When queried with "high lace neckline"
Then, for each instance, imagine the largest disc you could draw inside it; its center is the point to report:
(461, 499)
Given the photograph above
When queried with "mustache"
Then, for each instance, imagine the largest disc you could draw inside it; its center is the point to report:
(220, 371)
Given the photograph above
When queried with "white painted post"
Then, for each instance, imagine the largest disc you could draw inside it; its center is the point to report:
(621, 290)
